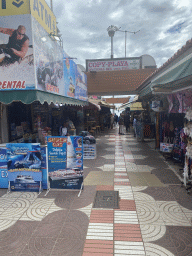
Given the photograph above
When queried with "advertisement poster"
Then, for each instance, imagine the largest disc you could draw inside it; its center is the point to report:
(69, 77)
(65, 160)
(16, 53)
(3, 168)
(24, 166)
(44, 168)
(89, 151)
(81, 85)
(48, 61)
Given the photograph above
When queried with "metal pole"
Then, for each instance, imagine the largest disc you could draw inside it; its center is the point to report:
(112, 47)
(51, 2)
(125, 42)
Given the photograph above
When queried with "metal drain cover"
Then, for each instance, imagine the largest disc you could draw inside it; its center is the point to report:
(106, 199)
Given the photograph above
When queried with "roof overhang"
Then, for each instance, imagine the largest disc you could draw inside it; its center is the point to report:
(175, 77)
(27, 97)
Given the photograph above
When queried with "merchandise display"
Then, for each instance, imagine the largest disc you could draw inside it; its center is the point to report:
(187, 175)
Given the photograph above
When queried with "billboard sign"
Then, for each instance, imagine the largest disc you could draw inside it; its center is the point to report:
(113, 64)
(16, 53)
(81, 85)
(69, 76)
(14, 7)
(65, 162)
(48, 61)
(24, 166)
(43, 14)
(3, 168)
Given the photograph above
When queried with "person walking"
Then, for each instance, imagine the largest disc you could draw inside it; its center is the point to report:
(127, 121)
(121, 124)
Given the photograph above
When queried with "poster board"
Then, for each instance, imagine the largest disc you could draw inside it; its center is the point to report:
(3, 168)
(65, 162)
(89, 151)
(24, 166)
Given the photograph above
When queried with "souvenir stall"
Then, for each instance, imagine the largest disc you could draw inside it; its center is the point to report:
(187, 174)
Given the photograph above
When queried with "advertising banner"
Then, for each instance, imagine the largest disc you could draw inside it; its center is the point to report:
(44, 168)
(16, 53)
(114, 64)
(24, 166)
(43, 14)
(14, 7)
(65, 162)
(81, 85)
(3, 168)
(69, 77)
(48, 61)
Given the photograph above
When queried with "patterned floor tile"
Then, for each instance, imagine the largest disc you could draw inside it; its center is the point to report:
(152, 233)
(177, 240)
(150, 218)
(109, 156)
(100, 231)
(128, 248)
(108, 167)
(170, 206)
(101, 216)
(125, 217)
(139, 196)
(87, 210)
(175, 219)
(155, 250)
(146, 206)
(160, 194)
(101, 247)
(99, 178)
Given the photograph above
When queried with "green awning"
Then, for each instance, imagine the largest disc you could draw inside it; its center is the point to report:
(145, 91)
(28, 97)
(175, 75)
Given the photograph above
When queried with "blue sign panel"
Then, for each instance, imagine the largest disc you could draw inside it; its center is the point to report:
(81, 85)
(69, 77)
(44, 168)
(3, 168)
(65, 160)
(24, 166)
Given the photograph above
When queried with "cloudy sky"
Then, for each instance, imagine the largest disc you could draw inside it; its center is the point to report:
(164, 26)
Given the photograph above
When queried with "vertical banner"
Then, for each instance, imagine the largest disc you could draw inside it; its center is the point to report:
(24, 166)
(44, 168)
(3, 168)
(65, 162)
(81, 85)
(48, 61)
(69, 77)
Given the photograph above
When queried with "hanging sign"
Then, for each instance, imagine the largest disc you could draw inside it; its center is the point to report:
(65, 162)
(24, 166)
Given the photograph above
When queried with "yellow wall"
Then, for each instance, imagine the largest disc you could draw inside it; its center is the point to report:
(38, 9)
(8, 7)
(43, 14)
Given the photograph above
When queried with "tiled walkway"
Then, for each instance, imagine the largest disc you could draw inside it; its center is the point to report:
(154, 215)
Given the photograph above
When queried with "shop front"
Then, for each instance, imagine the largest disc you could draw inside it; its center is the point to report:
(40, 89)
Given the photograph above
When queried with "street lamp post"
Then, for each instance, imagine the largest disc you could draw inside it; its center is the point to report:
(111, 32)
